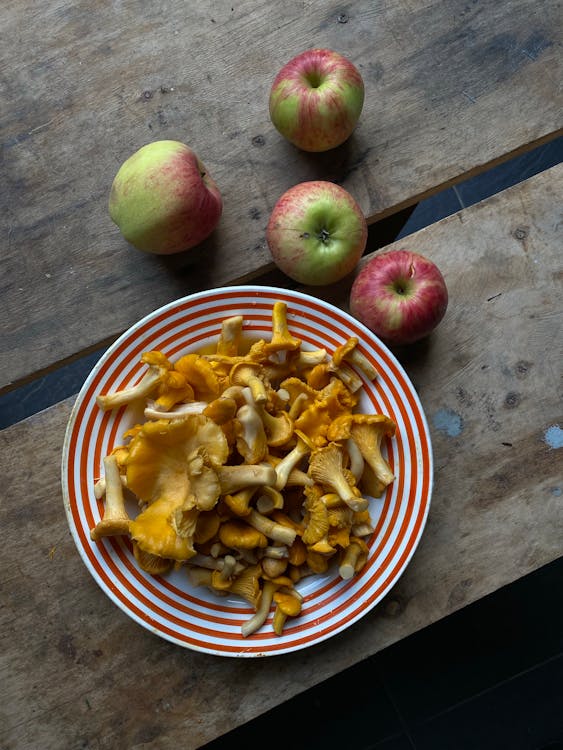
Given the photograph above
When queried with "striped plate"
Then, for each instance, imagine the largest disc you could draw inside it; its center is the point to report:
(193, 617)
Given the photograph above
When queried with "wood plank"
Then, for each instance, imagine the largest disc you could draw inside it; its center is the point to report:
(451, 87)
(75, 667)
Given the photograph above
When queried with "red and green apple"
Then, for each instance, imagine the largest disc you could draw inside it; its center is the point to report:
(163, 199)
(316, 99)
(316, 232)
(400, 295)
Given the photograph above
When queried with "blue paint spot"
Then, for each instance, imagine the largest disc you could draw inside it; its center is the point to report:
(448, 421)
(554, 436)
(556, 491)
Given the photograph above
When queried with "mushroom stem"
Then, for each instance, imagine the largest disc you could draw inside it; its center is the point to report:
(289, 462)
(115, 520)
(229, 340)
(182, 410)
(351, 558)
(271, 529)
(257, 620)
(234, 478)
(356, 459)
(143, 389)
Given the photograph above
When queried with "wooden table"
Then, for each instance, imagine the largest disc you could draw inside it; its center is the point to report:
(452, 88)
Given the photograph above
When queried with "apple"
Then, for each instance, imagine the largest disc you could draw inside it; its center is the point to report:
(400, 295)
(163, 199)
(316, 232)
(316, 99)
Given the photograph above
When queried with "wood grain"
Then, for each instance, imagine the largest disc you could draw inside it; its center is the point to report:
(451, 87)
(78, 673)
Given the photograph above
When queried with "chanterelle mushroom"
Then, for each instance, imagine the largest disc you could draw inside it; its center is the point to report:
(115, 520)
(166, 459)
(251, 439)
(367, 431)
(166, 528)
(326, 466)
(159, 366)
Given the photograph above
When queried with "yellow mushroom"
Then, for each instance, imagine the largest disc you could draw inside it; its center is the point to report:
(350, 353)
(115, 520)
(236, 534)
(221, 410)
(247, 585)
(251, 375)
(237, 477)
(316, 562)
(251, 440)
(323, 547)
(172, 389)
(278, 427)
(299, 404)
(349, 377)
(289, 462)
(326, 466)
(158, 368)
(269, 499)
(296, 387)
(271, 528)
(288, 604)
(367, 431)
(178, 411)
(333, 401)
(339, 537)
(311, 358)
(315, 520)
(297, 552)
(239, 502)
(166, 528)
(207, 526)
(354, 558)
(158, 463)
(273, 567)
(319, 376)
(222, 577)
(201, 376)
(264, 603)
(150, 563)
(229, 339)
(281, 339)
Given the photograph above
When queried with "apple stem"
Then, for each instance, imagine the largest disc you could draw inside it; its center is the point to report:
(323, 235)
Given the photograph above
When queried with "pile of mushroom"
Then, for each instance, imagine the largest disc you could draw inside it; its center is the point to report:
(252, 469)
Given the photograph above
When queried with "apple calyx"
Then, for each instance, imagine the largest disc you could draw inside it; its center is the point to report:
(323, 235)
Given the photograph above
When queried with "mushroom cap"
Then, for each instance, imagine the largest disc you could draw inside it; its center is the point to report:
(236, 534)
(200, 375)
(158, 460)
(341, 428)
(289, 604)
(316, 522)
(165, 529)
(221, 410)
(150, 563)
(342, 351)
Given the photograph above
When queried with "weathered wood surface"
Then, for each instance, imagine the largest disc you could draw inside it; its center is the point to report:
(76, 672)
(451, 87)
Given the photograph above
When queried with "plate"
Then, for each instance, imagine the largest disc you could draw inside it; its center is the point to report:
(194, 617)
